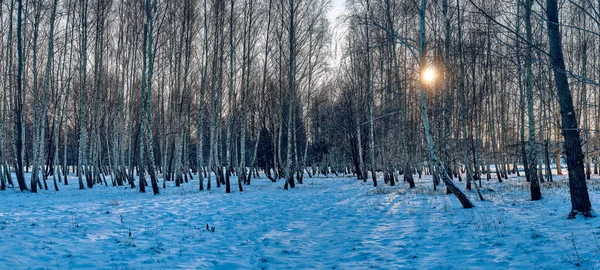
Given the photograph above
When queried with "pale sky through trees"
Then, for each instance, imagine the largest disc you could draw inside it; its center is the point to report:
(336, 10)
(337, 7)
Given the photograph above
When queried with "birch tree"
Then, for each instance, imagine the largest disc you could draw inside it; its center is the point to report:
(580, 201)
(434, 159)
(19, 100)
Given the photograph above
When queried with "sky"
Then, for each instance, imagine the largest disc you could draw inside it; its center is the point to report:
(337, 9)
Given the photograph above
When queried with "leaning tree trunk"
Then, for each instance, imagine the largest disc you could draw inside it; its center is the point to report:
(580, 200)
(429, 144)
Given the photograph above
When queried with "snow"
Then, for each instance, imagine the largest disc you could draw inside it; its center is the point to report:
(334, 223)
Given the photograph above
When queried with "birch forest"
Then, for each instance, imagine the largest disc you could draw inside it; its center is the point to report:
(139, 93)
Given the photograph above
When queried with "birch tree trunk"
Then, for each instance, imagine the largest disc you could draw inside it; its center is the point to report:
(82, 149)
(186, 89)
(447, 87)
(200, 131)
(213, 163)
(178, 103)
(149, 144)
(19, 100)
(229, 103)
(95, 143)
(532, 152)
(3, 113)
(584, 94)
(289, 172)
(62, 101)
(464, 105)
(46, 89)
(36, 103)
(262, 93)
(66, 104)
(189, 35)
(522, 144)
(580, 200)
(370, 99)
(7, 84)
(242, 175)
(434, 159)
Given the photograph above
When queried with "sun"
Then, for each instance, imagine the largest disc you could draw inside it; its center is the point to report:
(428, 75)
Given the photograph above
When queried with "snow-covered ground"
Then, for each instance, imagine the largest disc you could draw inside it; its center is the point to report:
(326, 223)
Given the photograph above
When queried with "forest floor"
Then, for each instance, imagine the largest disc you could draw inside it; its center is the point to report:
(325, 223)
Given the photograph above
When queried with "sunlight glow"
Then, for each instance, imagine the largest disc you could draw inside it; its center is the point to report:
(428, 75)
